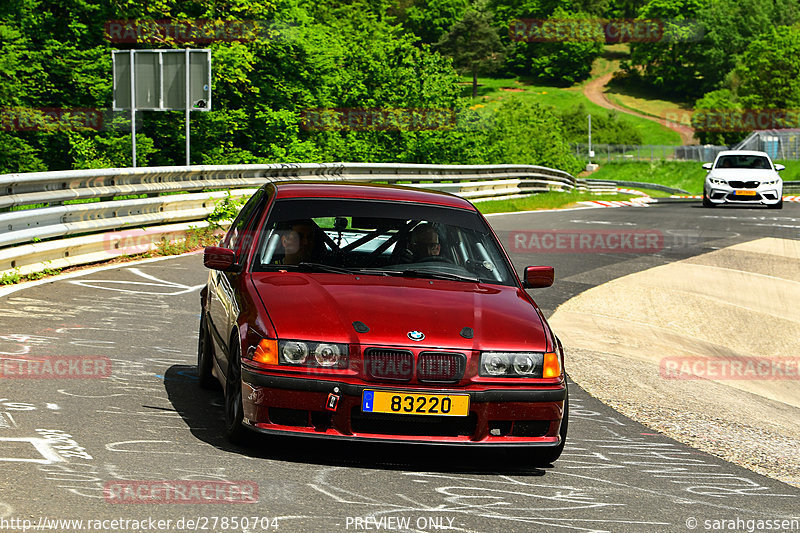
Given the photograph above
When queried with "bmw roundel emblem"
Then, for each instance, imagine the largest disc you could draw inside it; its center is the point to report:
(416, 335)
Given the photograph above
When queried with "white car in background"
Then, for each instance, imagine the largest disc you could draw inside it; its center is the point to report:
(743, 177)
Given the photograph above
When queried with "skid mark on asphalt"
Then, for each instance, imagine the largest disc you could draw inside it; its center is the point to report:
(138, 287)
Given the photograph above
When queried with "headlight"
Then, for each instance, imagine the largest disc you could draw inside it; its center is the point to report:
(512, 364)
(327, 354)
(312, 354)
(717, 181)
(294, 352)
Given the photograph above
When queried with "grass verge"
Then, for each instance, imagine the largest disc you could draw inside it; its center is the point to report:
(549, 200)
(686, 175)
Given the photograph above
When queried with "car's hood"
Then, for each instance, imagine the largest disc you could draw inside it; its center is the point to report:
(323, 307)
(744, 174)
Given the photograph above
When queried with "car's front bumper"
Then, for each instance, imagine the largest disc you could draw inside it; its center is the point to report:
(725, 194)
(504, 415)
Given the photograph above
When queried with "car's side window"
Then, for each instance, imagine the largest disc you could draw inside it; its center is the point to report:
(242, 225)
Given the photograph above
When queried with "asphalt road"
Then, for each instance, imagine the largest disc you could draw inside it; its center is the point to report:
(62, 441)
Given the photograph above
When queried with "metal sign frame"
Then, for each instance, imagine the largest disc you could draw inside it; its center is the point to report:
(165, 96)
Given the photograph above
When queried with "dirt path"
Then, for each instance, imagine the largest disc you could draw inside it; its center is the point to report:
(595, 91)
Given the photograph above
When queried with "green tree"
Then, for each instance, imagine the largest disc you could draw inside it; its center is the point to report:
(670, 64)
(431, 19)
(473, 44)
(714, 116)
(769, 70)
(528, 133)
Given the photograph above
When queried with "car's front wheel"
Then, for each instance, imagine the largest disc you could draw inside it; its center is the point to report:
(706, 201)
(204, 356)
(234, 413)
(779, 205)
(550, 455)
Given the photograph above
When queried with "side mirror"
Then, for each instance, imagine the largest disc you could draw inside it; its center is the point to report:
(708, 166)
(538, 277)
(218, 258)
(779, 167)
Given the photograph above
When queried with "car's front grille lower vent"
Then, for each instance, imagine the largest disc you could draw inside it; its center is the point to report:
(394, 365)
(441, 367)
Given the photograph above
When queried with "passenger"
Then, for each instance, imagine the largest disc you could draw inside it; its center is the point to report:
(425, 242)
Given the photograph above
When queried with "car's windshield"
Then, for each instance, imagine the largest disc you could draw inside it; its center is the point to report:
(380, 238)
(744, 161)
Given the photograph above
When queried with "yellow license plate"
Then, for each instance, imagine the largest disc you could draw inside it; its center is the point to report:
(414, 403)
(744, 193)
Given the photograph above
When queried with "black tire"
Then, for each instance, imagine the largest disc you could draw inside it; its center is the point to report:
(235, 432)
(204, 356)
(549, 456)
(779, 205)
(706, 201)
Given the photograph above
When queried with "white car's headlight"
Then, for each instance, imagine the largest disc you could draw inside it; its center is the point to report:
(717, 181)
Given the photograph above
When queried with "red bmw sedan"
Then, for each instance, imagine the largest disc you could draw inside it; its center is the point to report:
(381, 313)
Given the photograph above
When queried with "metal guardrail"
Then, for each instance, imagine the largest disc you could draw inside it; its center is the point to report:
(596, 183)
(33, 208)
(791, 187)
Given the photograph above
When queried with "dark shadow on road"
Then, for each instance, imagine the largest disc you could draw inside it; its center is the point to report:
(202, 411)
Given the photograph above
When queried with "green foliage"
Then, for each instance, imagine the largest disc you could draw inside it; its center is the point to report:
(769, 70)
(10, 278)
(331, 55)
(711, 118)
(195, 238)
(430, 19)
(564, 63)
(473, 44)
(606, 128)
(670, 63)
(528, 133)
(703, 41)
(225, 210)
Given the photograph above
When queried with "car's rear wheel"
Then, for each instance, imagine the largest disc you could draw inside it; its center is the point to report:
(204, 356)
(234, 413)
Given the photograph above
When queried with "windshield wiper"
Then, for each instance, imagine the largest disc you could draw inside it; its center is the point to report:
(411, 272)
(309, 266)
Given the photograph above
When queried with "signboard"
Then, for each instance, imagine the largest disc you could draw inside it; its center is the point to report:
(160, 80)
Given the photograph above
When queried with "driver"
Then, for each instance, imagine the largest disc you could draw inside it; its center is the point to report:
(425, 242)
(298, 242)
